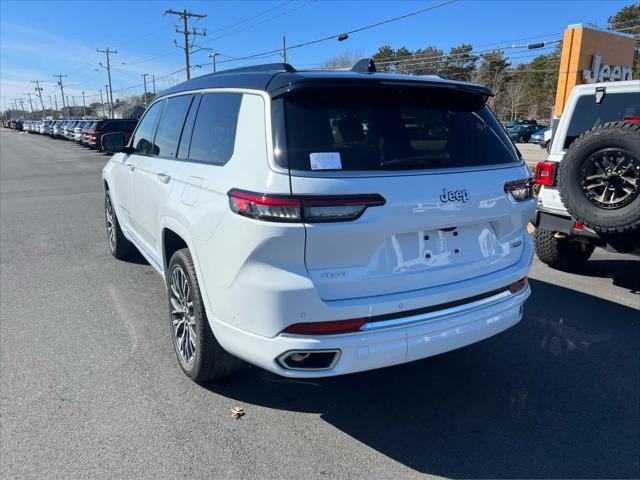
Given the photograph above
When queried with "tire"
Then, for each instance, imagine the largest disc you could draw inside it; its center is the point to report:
(119, 246)
(597, 173)
(520, 139)
(561, 254)
(201, 358)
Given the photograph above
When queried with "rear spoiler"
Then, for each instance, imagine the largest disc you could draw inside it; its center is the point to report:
(372, 81)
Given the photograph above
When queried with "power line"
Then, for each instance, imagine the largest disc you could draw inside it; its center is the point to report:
(251, 18)
(260, 22)
(333, 37)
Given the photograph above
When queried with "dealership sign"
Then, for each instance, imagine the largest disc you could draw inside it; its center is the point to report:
(602, 72)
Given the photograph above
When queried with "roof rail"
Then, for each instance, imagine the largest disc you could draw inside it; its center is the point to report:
(364, 65)
(265, 67)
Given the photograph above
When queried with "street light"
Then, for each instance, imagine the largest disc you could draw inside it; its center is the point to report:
(213, 57)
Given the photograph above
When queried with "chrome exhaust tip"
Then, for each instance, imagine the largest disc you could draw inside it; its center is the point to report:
(309, 360)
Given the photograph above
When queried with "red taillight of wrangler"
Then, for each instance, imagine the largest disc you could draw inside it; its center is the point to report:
(546, 173)
(309, 209)
(326, 328)
(632, 119)
(518, 286)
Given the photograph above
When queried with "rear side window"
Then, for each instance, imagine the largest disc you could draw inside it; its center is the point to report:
(143, 138)
(387, 128)
(185, 138)
(589, 114)
(214, 131)
(170, 125)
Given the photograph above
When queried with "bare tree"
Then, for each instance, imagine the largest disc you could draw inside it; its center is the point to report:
(514, 94)
(342, 61)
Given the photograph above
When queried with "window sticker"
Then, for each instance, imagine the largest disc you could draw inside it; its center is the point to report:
(325, 161)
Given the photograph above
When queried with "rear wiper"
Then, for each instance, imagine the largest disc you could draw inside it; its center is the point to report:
(416, 159)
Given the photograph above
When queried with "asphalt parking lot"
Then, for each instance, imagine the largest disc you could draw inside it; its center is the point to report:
(91, 387)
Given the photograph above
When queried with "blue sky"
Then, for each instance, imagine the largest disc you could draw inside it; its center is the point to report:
(42, 38)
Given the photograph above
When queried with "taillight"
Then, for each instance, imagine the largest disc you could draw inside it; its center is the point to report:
(518, 286)
(325, 328)
(520, 190)
(633, 119)
(546, 173)
(309, 209)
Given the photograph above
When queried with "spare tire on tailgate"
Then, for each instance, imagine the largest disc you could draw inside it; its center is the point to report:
(599, 178)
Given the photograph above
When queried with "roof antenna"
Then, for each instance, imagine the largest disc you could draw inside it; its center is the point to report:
(365, 65)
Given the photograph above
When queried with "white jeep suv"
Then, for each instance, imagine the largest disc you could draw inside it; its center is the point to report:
(323, 223)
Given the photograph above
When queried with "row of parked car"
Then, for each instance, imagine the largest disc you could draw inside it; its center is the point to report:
(86, 132)
(523, 131)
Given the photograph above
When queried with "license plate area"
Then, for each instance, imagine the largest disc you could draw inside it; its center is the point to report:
(445, 247)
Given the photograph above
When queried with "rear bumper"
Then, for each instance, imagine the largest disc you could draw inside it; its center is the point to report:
(556, 222)
(276, 302)
(437, 333)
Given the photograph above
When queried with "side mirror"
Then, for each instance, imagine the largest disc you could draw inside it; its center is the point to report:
(112, 142)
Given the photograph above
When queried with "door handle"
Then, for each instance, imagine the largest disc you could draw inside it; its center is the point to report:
(130, 166)
(164, 177)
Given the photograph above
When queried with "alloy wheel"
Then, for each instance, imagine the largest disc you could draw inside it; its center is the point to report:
(611, 178)
(182, 315)
(111, 231)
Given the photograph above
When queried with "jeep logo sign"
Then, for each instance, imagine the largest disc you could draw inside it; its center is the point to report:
(454, 196)
(602, 72)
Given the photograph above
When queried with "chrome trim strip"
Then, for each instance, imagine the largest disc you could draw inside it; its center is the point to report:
(130, 236)
(444, 314)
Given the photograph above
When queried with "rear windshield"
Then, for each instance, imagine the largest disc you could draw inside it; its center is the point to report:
(589, 114)
(389, 129)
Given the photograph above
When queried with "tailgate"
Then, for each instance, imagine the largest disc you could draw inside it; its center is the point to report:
(434, 229)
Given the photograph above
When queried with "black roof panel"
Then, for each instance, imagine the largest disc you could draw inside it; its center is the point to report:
(276, 80)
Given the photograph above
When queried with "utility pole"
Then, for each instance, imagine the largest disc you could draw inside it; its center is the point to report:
(21, 107)
(144, 77)
(284, 48)
(84, 107)
(61, 89)
(213, 58)
(55, 98)
(101, 102)
(107, 51)
(50, 105)
(28, 94)
(69, 110)
(39, 94)
(154, 83)
(109, 104)
(184, 15)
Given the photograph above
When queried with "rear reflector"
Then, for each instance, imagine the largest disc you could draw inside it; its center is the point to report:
(518, 286)
(325, 328)
(287, 208)
(633, 119)
(546, 173)
(578, 226)
(520, 190)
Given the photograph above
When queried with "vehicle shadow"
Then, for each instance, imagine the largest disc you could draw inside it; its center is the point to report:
(623, 273)
(136, 258)
(557, 396)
